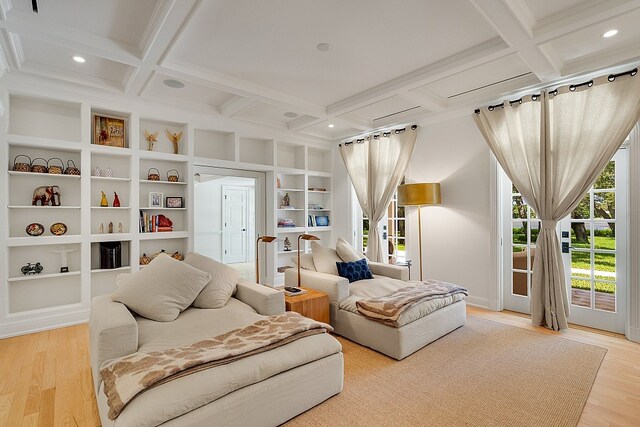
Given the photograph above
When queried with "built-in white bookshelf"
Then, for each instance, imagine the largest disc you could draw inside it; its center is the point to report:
(64, 129)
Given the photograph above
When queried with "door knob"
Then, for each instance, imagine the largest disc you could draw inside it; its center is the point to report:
(244, 229)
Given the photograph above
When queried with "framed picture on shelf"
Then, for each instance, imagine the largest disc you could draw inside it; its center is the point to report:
(321, 221)
(155, 200)
(173, 202)
(110, 131)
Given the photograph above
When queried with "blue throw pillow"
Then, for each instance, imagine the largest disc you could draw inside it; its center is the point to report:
(354, 271)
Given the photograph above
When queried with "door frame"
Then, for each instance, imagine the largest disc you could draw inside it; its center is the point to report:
(247, 247)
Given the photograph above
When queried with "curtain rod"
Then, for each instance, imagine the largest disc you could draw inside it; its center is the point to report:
(572, 88)
(376, 136)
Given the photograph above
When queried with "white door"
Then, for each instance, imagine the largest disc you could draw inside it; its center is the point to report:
(235, 219)
(520, 231)
(595, 250)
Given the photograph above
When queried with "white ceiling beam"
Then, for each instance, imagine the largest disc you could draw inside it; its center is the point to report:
(580, 17)
(5, 7)
(477, 55)
(515, 32)
(304, 122)
(355, 122)
(424, 98)
(82, 41)
(237, 105)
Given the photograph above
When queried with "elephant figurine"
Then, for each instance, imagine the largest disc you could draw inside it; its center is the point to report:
(49, 195)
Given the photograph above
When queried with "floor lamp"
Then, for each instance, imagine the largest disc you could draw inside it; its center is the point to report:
(422, 194)
(303, 237)
(266, 239)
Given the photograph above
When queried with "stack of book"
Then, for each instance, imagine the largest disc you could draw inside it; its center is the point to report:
(286, 223)
(150, 224)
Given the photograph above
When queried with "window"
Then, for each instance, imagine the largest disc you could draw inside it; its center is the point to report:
(395, 230)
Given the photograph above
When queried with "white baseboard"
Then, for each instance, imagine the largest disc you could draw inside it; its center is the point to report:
(633, 334)
(30, 326)
(478, 302)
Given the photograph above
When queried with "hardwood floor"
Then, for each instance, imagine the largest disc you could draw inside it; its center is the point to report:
(45, 378)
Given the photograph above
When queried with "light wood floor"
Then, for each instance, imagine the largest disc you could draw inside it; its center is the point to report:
(45, 378)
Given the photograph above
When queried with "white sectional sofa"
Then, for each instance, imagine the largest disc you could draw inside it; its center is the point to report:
(397, 343)
(265, 389)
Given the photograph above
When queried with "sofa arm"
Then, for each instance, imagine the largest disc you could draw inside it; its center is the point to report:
(113, 332)
(389, 270)
(335, 286)
(265, 300)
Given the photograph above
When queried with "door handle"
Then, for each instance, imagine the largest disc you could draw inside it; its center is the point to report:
(244, 229)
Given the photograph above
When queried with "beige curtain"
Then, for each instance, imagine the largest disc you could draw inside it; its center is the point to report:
(376, 165)
(553, 149)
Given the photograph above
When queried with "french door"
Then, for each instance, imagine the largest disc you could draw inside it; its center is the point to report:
(593, 240)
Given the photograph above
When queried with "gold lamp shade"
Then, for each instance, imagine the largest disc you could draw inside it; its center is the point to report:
(425, 193)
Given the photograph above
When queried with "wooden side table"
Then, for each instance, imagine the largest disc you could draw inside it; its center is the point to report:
(313, 304)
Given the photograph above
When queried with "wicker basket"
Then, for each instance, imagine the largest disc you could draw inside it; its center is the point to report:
(21, 167)
(153, 176)
(71, 168)
(177, 255)
(39, 168)
(55, 169)
(173, 177)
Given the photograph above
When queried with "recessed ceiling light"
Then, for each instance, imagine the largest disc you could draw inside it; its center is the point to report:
(79, 59)
(610, 33)
(176, 84)
(291, 114)
(331, 125)
(323, 47)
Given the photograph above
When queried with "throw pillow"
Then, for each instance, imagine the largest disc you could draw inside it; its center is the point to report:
(222, 285)
(162, 289)
(325, 259)
(354, 271)
(306, 261)
(347, 252)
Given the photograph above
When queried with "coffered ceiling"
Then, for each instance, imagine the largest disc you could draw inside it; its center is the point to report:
(387, 62)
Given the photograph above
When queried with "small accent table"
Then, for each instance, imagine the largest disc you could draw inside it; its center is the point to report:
(313, 304)
(407, 264)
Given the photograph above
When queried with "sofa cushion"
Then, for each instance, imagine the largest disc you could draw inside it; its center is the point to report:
(347, 252)
(354, 271)
(222, 284)
(325, 259)
(306, 261)
(162, 289)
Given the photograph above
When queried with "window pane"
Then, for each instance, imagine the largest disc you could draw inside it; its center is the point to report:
(580, 264)
(581, 292)
(605, 296)
(401, 212)
(605, 266)
(520, 286)
(534, 230)
(519, 208)
(532, 214)
(514, 190)
(519, 232)
(401, 246)
(582, 210)
(607, 178)
(519, 258)
(604, 235)
(401, 227)
(581, 235)
(604, 205)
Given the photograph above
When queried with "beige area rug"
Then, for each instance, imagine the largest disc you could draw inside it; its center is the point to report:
(483, 374)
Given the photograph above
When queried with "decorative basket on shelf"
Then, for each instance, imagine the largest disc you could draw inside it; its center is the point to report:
(153, 176)
(177, 255)
(55, 169)
(39, 168)
(21, 167)
(144, 259)
(162, 251)
(173, 177)
(71, 168)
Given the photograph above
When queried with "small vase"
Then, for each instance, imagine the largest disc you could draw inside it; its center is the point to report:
(103, 201)
(116, 200)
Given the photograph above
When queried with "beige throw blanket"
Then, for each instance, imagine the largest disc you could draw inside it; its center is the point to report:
(387, 309)
(126, 377)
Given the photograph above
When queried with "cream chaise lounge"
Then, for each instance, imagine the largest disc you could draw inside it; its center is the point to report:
(398, 343)
(265, 389)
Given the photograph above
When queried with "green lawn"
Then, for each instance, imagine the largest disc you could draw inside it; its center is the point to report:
(609, 288)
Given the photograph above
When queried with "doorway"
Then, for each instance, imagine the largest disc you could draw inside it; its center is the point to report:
(593, 240)
(228, 215)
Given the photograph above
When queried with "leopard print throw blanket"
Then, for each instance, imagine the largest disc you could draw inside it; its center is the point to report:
(387, 309)
(126, 377)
